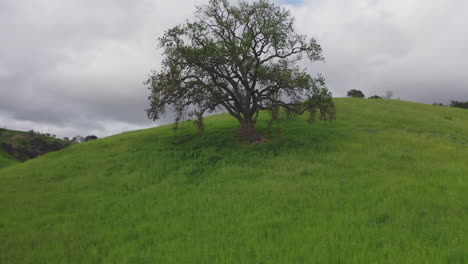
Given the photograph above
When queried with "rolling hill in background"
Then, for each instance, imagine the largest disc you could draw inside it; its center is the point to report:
(18, 146)
(385, 183)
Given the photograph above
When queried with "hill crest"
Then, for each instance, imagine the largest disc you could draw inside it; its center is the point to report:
(386, 182)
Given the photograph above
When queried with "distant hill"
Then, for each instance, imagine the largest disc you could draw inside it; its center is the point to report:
(17, 146)
(385, 183)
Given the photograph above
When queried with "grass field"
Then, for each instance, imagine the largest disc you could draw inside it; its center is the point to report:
(387, 182)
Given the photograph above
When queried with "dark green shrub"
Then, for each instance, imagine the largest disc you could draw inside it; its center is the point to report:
(459, 104)
(355, 93)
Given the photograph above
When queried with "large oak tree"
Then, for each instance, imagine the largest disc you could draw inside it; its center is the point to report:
(242, 58)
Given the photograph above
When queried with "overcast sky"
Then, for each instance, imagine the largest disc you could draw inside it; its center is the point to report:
(76, 67)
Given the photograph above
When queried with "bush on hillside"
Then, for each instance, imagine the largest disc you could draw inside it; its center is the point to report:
(459, 104)
(90, 137)
(355, 93)
(375, 97)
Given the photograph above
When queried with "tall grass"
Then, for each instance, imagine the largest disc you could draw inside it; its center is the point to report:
(6, 159)
(385, 183)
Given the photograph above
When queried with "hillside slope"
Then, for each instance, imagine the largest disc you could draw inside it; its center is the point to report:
(385, 183)
(17, 146)
(6, 159)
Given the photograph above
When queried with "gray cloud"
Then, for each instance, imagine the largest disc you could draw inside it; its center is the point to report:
(414, 48)
(76, 67)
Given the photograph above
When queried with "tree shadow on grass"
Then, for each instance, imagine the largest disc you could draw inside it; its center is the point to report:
(197, 155)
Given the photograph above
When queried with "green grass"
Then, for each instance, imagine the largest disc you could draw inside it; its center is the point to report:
(387, 182)
(6, 159)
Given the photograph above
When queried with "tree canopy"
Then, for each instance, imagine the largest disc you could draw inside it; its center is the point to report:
(355, 93)
(242, 58)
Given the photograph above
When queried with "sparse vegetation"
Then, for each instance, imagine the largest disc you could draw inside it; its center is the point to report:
(388, 94)
(385, 183)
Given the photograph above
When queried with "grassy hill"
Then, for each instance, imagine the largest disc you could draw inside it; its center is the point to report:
(17, 146)
(385, 183)
(6, 159)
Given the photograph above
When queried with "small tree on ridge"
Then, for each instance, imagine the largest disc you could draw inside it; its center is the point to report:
(355, 93)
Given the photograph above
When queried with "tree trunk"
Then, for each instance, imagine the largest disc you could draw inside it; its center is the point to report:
(249, 131)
